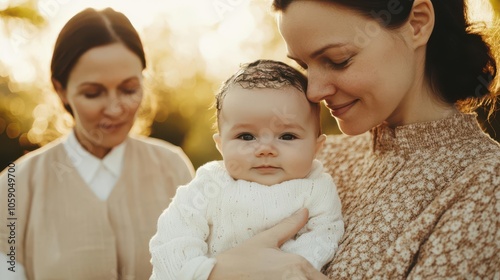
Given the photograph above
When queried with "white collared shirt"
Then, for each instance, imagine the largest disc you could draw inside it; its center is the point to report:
(99, 174)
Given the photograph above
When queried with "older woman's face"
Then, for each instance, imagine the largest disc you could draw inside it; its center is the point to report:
(104, 91)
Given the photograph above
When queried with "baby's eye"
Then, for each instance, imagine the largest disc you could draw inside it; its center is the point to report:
(288, 136)
(246, 137)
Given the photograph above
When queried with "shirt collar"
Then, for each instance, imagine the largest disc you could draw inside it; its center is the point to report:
(87, 164)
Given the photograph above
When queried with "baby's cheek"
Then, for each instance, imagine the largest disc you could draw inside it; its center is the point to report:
(245, 151)
(234, 167)
(302, 167)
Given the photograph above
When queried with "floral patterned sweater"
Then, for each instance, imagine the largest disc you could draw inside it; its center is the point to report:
(420, 201)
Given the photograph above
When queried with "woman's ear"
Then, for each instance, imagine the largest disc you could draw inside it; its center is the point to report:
(217, 141)
(421, 21)
(60, 91)
(319, 143)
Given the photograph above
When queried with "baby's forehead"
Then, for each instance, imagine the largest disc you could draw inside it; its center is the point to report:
(266, 102)
(286, 92)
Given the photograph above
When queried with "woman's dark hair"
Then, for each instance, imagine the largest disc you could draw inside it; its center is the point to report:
(459, 63)
(89, 29)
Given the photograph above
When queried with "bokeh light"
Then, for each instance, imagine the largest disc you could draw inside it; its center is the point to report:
(191, 47)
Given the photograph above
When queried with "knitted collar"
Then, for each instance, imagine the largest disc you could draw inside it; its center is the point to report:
(425, 135)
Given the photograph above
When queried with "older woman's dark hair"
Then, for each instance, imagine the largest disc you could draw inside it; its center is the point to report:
(459, 63)
(89, 29)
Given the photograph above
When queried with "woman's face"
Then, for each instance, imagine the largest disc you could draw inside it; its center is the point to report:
(104, 91)
(365, 74)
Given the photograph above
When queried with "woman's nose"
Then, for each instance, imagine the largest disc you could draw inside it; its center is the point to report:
(319, 86)
(114, 107)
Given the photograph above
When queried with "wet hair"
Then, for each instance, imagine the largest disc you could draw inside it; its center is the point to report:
(265, 74)
(89, 29)
(459, 62)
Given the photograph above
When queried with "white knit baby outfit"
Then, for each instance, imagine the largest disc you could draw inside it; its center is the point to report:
(214, 213)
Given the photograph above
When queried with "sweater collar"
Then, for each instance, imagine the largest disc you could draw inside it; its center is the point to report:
(87, 164)
(425, 135)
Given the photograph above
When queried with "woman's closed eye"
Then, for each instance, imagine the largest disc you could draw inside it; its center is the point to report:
(93, 94)
(336, 65)
(91, 90)
(130, 90)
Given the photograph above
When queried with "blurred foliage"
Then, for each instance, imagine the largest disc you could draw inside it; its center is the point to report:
(16, 102)
(496, 6)
(26, 11)
(182, 75)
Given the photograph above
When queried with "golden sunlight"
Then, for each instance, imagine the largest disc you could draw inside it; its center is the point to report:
(191, 47)
(481, 11)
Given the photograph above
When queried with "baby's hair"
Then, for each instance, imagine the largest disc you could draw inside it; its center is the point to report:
(266, 74)
(262, 74)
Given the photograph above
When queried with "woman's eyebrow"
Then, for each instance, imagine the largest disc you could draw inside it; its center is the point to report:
(325, 48)
(320, 51)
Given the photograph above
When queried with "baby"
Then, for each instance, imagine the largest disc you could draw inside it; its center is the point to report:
(268, 136)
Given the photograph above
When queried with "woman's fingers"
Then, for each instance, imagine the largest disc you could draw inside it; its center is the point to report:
(280, 233)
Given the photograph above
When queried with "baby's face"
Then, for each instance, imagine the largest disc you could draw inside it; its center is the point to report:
(267, 135)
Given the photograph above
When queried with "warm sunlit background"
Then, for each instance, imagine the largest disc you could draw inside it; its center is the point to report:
(191, 47)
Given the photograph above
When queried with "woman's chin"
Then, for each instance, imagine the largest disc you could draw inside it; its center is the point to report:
(352, 129)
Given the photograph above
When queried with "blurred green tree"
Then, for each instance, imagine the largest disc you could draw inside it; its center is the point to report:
(18, 21)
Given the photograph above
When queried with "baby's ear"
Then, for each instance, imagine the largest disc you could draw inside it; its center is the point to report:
(217, 141)
(319, 143)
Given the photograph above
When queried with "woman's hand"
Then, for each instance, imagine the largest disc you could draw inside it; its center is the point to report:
(260, 257)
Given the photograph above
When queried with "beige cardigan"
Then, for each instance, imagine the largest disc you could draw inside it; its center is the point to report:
(63, 231)
(421, 201)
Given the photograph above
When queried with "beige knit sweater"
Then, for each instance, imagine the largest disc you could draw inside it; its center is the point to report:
(421, 201)
(63, 231)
